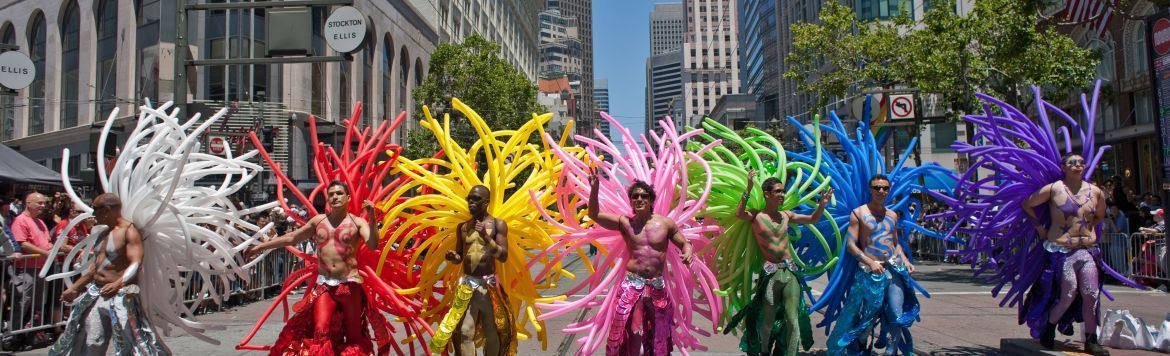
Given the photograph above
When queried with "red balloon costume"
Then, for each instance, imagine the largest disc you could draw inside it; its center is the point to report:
(363, 301)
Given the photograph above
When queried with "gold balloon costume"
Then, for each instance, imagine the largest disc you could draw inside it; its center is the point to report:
(520, 174)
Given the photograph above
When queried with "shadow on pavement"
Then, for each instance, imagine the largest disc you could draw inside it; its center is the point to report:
(965, 350)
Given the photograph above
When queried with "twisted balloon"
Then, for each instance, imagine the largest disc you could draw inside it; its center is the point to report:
(154, 176)
(660, 162)
(849, 177)
(736, 255)
(511, 167)
(1022, 155)
(361, 166)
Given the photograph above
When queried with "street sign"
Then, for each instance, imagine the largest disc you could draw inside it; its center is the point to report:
(902, 106)
(345, 29)
(217, 146)
(16, 70)
(1161, 34)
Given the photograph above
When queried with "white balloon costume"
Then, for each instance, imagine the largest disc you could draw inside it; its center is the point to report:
(155, 176)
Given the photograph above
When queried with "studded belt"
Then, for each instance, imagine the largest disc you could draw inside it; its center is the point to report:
(639, 281)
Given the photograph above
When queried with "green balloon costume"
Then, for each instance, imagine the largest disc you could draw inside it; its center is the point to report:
(776, 294)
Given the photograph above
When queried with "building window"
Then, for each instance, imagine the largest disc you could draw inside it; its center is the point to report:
(149, 13)
(7, 102)
(106, 18)
(387, 65)
(942, 136)
(344, 69)
(70, 42)
(368, 80)
(36, 91)
(318, 105)
(1143, 107)
(403, 77)
(1136, 59)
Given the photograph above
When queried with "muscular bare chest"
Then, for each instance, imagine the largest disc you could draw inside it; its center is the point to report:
(343, 237)
(652, 234)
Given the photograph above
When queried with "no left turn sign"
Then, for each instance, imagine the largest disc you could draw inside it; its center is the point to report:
(902, 106)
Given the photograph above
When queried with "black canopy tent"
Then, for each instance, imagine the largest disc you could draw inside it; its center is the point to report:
(16, 168)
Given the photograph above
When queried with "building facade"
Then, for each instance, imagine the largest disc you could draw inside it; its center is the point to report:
(560, 46)
(601, 102)
(666, 28)
(582, 10)
(710, 55)
(96, 55)
(510, 23)
(664, 89)
(759, 53)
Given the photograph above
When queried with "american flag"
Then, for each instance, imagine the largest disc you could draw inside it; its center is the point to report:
(1093, 14)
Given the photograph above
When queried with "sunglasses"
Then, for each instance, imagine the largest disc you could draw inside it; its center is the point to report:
(641, 196)
(1075, 162)
(884, 188)
(78, 211)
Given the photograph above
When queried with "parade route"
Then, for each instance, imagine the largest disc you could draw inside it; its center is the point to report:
(960, 318)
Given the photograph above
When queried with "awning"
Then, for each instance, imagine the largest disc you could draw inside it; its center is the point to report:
(939, 183)
(17, 168)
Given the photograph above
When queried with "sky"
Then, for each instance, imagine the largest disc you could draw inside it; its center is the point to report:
(621, 43)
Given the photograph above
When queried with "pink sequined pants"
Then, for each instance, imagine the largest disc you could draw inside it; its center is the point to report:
(643, 320)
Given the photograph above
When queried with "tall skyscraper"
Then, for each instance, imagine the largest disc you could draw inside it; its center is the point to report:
(664, 88)
(664, 66)
(710, 55)
(601, 101)
(582, 10)
(666, 28)
(759, 48)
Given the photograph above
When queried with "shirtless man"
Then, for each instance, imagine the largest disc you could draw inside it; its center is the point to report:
(338, 293)
(642, 292)
(781, 284)
(873, 240)
(480, 243)
(1076, 207)
(109, 294)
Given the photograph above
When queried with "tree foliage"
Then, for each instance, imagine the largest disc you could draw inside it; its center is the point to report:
(473, 72)
(1000, 48)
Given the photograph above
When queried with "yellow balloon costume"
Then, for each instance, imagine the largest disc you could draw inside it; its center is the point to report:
(520, 175)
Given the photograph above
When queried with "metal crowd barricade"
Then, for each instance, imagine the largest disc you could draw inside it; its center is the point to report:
(1150, 266)
(29, 304)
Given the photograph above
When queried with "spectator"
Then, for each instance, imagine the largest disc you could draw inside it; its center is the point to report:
(1116, 222)
(1159, 225)
(33, 236)
(1144, 218)
(9, 242)
(79, 231)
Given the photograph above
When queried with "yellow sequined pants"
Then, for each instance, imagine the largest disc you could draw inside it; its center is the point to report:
(476, 300)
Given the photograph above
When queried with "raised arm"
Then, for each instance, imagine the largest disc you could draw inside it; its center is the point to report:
(369, 233)
(605, 220)
(826, 197)
(300, 234)
(741, 210)
(680, 240)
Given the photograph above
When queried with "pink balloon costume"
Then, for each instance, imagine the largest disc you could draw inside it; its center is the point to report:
(618, 296)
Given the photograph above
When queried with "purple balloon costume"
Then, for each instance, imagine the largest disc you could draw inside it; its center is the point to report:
(1049, 283)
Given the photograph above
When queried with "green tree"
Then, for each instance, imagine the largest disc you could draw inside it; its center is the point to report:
(1001, 48)
(473, 72)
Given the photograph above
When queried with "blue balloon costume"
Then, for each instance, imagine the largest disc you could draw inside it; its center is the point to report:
(856, 300)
